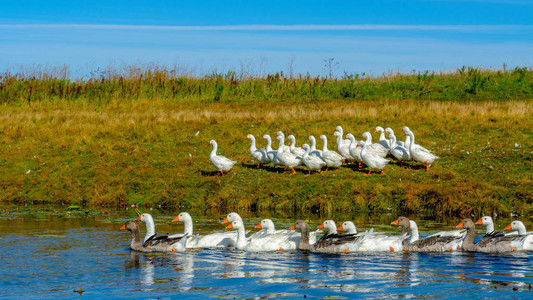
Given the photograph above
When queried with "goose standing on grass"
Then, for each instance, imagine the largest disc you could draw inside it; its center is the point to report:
(260, 155)
(405, 144)
(211, 240)
(330, 243)
(372, 160)
(288, 159)
(490, 242)
(420, 154)
(272, 154)
(220, 162)
(295, 150)
(159, 244)
(488, 223)
(434, 243)
(399, 152)
(332, 158)
(281, 137)
(310, 161)
(342, 146)
(339, 130)
(383, 141)
(314, 151)
(521, 230)
(355, 151)
(375, 148)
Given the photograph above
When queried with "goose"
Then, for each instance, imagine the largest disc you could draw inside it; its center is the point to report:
(281, 137)
(488, 223)
(420, 154)
(220, 162)
(377, 242)
(415, 236)
(383, 141)
(310, 161)
(314, 151)
(490, 242)
(267, 227)
(521, 230)
(405, 144)
(342, 146)
(211, 240)
(399, 152)
(339, 130)
(263, 243)
(434, 243)
(286, 158)
(355, 151)
(272, 154)
(295, 150)
(260, 155)
(332, 158)
(233, 216)
(375, 148)
(330, 243)
(159, 244)
(372, 160)
(150, 225)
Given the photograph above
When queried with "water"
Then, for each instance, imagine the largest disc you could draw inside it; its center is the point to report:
(53, 256)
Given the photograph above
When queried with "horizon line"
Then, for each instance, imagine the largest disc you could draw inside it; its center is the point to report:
(256, 27)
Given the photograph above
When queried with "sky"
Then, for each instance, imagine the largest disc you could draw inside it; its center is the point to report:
(259, 37)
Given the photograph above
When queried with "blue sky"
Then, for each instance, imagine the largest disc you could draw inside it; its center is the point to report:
(264, 36)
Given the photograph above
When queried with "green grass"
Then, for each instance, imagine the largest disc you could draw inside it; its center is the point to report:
(137, 143)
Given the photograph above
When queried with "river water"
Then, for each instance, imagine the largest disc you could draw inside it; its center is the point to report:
(52, 256)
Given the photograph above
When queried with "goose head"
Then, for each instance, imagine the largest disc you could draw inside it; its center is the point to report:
(379, 129)
(486, 220)
(402, 222)
(518, 226)
(292, 138)
(213, 142)
(338, 129)
(130, 226)
(350, 137)
(300, 226)
(466, 224)
(389, 130)
(323, 137)
(266, 224)
(182, 217)
(232, 217)
(406, 129)
(367, 135)
(329, 225)
(235, 225)
(251, 137)
(337, 134)
(348, 226)
(145, 218)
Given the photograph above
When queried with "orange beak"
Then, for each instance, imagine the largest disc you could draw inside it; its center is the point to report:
(123, 227)
(230, 226)
(333, 134)
(262, 138)
(480, 222)
(321, 225)
(225, 221)
(508, 227)
(460, 225)
(176, 219)
(138, 219)
(340, 228)
(258, 226)
(245, 137)
(395, 222)
(292, 227)
(375, 130)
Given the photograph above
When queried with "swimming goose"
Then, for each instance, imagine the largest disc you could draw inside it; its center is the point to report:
(375, 148)
(435, 243)
(488, 223)
(270, 242)
(521, 230)
(311, 162)
(342, 146)
(260, 155)
(330, 243)
(372, 160)
(149, 223)
(272, 154)
(332, 158)
(158, 244)
(355, 151)
(295, 150)
(284, 155)
(399, 152)
(382, 139)
(376, 242)
(267, 227)
(420, 154)
(233, 216)
(490, 242)
(220, 162)
(314, 151)
(211, 240)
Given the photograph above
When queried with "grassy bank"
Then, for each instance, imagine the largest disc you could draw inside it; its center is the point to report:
(153, 151)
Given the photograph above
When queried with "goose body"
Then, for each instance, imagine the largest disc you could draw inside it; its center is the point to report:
(332, 158)
(272, 154)
(310, 161)
(383, 141)
(490, 243)
(286, 157)
(343, 146)
(374, 148)
(401, 153)
(330, 243)
(372, 160)
(260, 155)
(314, 151)
(220, 162)
(158, 244)
(211, 240)
(434, 243)
(420, 154)
(270, 242)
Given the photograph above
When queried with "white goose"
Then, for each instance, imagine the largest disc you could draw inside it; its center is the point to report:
(260, 155)
(339, 130)
(265, 243)
(233, 216)
(314, 151)
(355, 151)
(521, 230)
(399, 152)
(286, 158)
(332, 158)
(269, 230)
(420, 154)
(272, 154)
(382, 139)
(220, 162)
(405, 144)
(377, 242)
(375, 148)
(311, 162)
(295, 150)
(211, 240)
(281, 137)
(342, 146)
(372, 160)
(488, 223)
